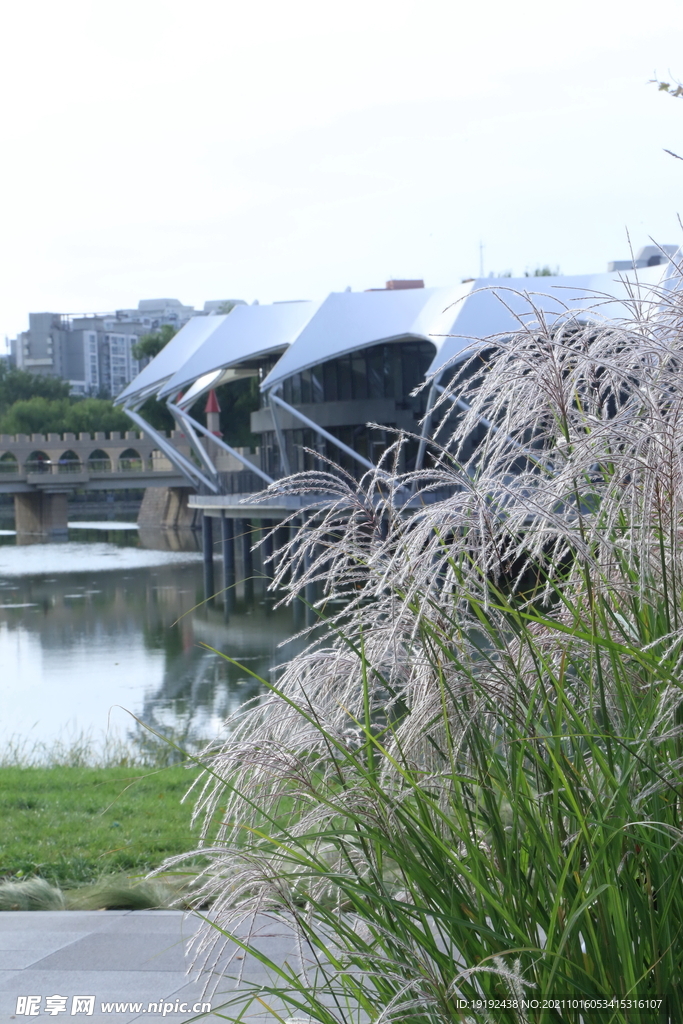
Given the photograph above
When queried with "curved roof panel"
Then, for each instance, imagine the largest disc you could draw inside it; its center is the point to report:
(503, 306)
(248, 332)
(453, 319)
(347, 321)
(181, 346)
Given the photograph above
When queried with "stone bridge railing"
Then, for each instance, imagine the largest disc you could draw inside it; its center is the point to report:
(24, 455)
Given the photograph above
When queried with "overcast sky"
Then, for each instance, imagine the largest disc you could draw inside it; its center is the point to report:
(262, 149)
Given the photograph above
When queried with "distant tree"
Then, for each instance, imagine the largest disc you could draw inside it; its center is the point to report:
(157, 415)
(89, 415)
(19, 385)
(150, 345)
(237, 400)
(543, 272)
(229, 304)
(39, 415)
(673, 90)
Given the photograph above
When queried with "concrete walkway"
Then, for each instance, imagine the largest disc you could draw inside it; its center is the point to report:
(124, 957)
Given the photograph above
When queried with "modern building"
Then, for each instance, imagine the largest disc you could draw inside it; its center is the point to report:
(648, 256)
(339, 377)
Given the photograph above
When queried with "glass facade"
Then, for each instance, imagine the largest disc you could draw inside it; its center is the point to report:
(387, 371)
(303, 447)
(390, 370)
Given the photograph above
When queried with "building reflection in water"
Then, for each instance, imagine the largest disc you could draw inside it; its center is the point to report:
(77, 639)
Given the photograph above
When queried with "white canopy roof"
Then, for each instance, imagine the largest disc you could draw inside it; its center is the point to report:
(247, 333)
(347, 321)
(453, 318)
(309, 333)
(502, 306)
(171, 358)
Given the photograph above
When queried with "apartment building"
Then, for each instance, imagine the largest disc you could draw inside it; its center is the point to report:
(94, 351)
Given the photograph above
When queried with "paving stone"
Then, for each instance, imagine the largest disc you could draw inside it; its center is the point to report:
(47, 941)
(138, 951)
(126, 957)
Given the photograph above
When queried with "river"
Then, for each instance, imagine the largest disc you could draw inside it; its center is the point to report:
(100, 623)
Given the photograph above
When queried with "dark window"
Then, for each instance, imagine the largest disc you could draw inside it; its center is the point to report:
(317, 394)
(393, 371)
(295, 454)
(296, 389)
(312, 441)
(411, 368)
(345, 435)
(375, 358)
(359, 374)
(360, 442)
(330, 380)
(305, 387)
(344, 379)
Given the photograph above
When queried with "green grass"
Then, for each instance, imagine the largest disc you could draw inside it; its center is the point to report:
(72, 826)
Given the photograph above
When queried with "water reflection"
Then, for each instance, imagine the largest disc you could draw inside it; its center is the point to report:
(88, 625)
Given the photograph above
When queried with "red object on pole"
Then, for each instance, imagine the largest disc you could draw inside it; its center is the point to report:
(212, 411)
(212, 403)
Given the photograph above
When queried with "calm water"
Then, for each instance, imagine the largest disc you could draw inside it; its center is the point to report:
(101, 621)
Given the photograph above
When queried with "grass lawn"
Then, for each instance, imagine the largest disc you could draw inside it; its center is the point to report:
(74, 825)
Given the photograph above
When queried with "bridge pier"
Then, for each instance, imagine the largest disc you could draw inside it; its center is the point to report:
(166, 508)
(228, 539)
(244, 528)
(267, 526)
(207, 538)
(41, 513)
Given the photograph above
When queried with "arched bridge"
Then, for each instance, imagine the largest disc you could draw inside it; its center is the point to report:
(40, 470)
(104, 462)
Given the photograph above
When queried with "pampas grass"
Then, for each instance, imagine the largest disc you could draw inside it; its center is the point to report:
(469, 785)
(119, 892)
(33, 894)
(114, 892)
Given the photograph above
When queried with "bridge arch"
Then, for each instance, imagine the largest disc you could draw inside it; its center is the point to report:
(69, 462)
(130, 460)
(9, 463)
(38, 462)
(99, 461)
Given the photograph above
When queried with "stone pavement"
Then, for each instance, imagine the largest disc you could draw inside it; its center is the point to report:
(124, 957)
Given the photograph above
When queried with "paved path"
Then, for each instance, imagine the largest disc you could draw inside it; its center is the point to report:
(124, 957)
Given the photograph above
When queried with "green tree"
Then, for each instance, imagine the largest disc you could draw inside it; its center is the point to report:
(40, 415)
(19, 385)
(237, 400)
(543, 272)
(150, 345)
(673, 90)
(89, 415)
(157, 415)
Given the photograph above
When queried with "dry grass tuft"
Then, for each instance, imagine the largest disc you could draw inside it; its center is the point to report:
(470, 786)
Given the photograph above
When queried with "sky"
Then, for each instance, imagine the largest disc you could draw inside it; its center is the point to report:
(264, 150)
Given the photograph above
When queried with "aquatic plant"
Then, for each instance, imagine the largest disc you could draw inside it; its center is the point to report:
(470, 787)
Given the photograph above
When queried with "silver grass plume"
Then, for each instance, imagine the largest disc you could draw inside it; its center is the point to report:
(570, 502)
